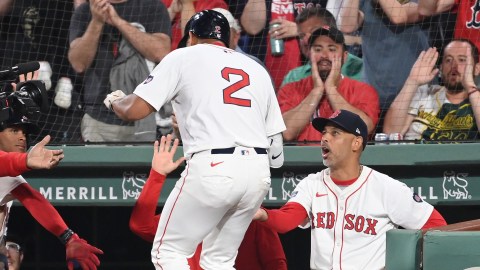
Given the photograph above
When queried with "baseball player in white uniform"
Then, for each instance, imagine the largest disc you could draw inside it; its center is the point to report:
(348, 206)
(230, 124)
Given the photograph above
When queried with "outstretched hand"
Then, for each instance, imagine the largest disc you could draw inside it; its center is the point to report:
(423, 71)
(163, 153)
(80, 253)
(40, 157)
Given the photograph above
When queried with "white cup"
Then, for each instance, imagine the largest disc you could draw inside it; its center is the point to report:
(63, 93)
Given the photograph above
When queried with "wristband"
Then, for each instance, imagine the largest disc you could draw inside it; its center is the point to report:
(473, 91)
(65, 236)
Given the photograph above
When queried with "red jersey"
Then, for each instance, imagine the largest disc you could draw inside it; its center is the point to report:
(278, 66)
(13, 164)
(468, 20)
(360, 95)
(199, 5)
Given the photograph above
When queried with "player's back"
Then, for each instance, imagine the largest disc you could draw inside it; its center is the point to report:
(223, 99)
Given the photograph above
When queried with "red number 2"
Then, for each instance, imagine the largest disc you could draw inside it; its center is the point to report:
(227, 92)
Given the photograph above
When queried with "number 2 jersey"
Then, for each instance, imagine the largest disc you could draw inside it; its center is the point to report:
(221, 98)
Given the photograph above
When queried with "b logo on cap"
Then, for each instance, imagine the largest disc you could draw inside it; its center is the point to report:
(335, 114)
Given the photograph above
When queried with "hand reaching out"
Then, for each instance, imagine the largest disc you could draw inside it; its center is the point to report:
(26, 77)
(423, 71)
(81, 253)
(162, 161)
(41, 158)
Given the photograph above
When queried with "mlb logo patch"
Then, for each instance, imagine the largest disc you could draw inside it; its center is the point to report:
(417, 198)
(245, 152)
(148, 79)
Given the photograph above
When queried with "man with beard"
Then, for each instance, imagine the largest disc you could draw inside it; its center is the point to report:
(432, 112)
(326, 90)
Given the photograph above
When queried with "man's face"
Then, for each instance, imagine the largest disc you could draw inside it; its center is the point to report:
(14, 256)
(13, 139)
(453, 65)
(322, 52)
(336, 146)
(305, 30)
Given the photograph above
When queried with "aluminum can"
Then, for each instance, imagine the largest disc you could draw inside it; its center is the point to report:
(381, 138)
(395, 137)
(277, 46)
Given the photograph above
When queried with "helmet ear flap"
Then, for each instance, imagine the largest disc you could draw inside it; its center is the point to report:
(210, 24)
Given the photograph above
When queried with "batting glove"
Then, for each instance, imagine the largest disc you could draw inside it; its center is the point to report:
(80, 253)
(118, 94)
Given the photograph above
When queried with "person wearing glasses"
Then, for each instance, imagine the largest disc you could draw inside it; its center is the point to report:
(15, 251)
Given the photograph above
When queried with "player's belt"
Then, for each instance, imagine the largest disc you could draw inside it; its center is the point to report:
(231, 150)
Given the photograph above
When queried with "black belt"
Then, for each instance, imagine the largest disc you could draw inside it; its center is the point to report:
(230, 150)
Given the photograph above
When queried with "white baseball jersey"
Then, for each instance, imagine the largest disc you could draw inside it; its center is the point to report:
(7, 184)
(221, 98)
(348, 226)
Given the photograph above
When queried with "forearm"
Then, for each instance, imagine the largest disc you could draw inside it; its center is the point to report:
(396, 116)
(40, 209)
(5, 7)
(151, 46)
(254, 16)
(142, 221)
(131, 108)
(338, 102)
(285, 219)
(350, 17)
(188, 10)
(297, 118)
(474, 98)
(13, 164)
(433, 7)
(400, 13)
(83, 49)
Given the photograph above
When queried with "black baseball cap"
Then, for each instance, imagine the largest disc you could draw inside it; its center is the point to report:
(347, 121)
(15, 120)
(329, 31)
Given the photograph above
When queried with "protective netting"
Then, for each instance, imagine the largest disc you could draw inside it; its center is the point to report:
(384, 41)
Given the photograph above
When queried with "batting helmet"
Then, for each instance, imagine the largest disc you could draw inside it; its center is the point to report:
(211, 24)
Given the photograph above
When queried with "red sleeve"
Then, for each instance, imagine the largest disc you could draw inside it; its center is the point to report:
(289, 97)
(210, 4)
(269, 248)
(435, 220)
(143, 221)
(362, 96)
(287, 218)
(13, 164)
(41, 209)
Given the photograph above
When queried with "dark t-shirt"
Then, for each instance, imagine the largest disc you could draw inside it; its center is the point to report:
(152, 14)
(36, 30)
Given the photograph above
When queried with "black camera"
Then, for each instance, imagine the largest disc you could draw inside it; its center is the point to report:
(29, 98)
